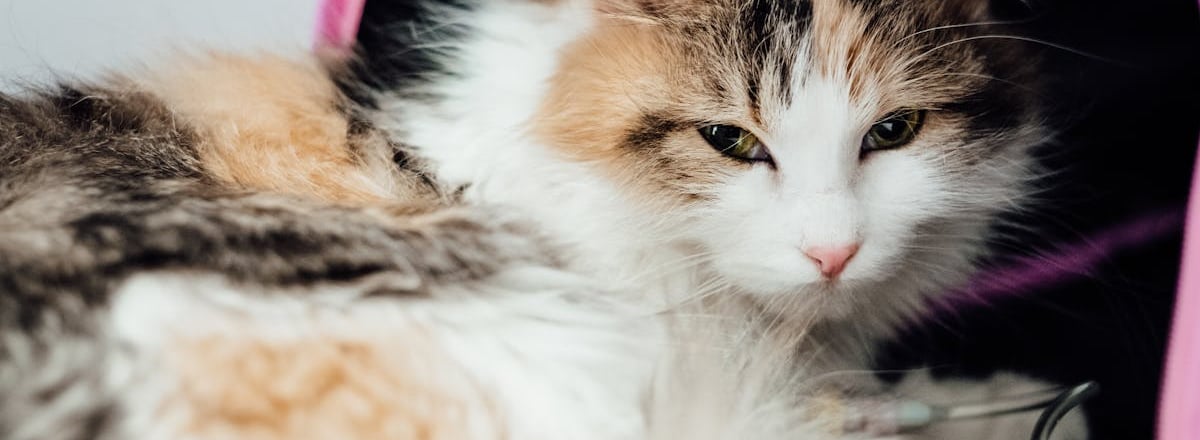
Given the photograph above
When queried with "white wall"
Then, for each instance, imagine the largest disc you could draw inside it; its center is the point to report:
(41, 39)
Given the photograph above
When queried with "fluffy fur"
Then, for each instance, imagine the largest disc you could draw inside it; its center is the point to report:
(155, 286)
(596, 107)
(499, 222)
(599, 112)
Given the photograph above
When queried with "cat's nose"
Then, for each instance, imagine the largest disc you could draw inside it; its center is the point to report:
(831, 260)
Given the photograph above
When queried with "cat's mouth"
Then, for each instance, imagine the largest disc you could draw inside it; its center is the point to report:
(818, 301)
(841, 288)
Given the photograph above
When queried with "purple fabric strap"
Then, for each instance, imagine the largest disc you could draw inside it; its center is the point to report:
(1062, 264)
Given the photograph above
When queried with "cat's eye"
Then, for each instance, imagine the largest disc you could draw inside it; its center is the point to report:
(735, 142)
(894, 131)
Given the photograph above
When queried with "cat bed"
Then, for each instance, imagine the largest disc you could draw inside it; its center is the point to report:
(1179, 410)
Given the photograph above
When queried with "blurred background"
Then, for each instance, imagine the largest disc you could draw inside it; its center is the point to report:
(43, 39)
(1131, 112)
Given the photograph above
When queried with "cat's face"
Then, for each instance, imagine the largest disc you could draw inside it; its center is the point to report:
(814, 148)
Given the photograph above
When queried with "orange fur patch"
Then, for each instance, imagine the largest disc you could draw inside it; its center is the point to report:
(272, 124)
(843, 48)
(238, 387)
(590, 102)
(606, 84)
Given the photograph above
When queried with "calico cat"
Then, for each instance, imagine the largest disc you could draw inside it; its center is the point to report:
(224, 249)
(833, 164)
(505, 219)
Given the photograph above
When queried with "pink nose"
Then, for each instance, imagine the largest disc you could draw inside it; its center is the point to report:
(831, 259)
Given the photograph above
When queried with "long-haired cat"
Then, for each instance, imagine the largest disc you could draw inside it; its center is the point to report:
(834, 160)
(832, 164)
(509, 219)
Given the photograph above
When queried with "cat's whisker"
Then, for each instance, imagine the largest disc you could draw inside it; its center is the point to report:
(673, 266)
(930, 267)
(921, 57)
(706, 290)
(964, 25)
(983, 76)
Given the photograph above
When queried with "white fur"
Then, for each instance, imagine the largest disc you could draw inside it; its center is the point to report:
(557, 369)
(542, 346)
(476, 134)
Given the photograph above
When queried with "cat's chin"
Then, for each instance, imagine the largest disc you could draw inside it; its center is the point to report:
(766, 283)
(812, 299)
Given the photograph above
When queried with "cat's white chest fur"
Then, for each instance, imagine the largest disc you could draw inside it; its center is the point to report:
(478, 136)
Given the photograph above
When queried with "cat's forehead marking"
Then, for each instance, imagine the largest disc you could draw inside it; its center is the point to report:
(885, 53)
(840, 45)
(768, 42)
(758, 53)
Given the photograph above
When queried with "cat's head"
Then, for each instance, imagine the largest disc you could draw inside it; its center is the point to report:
(827, 149)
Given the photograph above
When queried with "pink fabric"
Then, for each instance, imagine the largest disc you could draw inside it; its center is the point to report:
(337, 23)
(1179, 410)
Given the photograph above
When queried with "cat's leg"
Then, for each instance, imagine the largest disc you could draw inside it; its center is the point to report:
(922, 387)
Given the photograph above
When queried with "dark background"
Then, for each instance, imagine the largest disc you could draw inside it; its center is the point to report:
(1127, 150)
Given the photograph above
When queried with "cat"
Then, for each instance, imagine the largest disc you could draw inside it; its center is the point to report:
(224, 249)
(751, 137)
(834, 164)
(556, 219)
